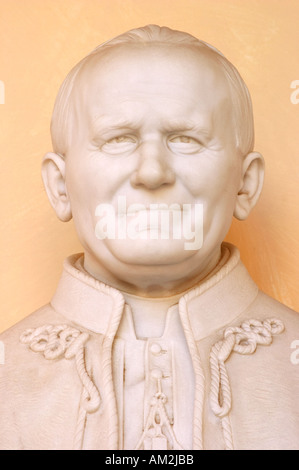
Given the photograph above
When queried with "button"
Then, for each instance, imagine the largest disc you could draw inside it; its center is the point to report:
(156, 374)
(155, 349)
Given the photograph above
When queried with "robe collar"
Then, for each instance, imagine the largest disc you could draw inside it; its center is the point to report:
(212, 304)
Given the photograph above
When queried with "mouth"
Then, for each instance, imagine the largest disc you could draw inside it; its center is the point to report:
(140, 209)
(151, 221)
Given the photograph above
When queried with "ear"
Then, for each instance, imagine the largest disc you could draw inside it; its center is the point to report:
(253, 169)
(53, 174)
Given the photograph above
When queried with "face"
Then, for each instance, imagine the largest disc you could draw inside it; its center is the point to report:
(151, 127)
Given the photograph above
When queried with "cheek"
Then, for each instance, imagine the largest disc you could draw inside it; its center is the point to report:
(219, 204)
(91, 175)
(228, 181)
(223, 198)
(213, 178)
(82, 192)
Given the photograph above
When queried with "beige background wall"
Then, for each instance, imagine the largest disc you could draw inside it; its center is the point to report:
(40, 40)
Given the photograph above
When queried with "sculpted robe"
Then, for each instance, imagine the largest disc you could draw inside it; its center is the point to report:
(220, 377)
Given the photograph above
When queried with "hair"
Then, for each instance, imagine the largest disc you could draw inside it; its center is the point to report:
(61, 130)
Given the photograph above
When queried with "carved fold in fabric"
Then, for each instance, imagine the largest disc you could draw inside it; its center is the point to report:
(56, 342)
(242, 340)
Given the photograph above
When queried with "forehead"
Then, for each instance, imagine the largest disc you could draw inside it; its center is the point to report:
(157, 73)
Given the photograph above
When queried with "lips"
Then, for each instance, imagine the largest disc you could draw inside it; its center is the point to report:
(152, 208)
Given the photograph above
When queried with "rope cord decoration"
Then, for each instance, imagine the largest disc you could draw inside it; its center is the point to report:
(242, 340)
(153, 436)
(199, 376)
(55, 342)
(58, 341)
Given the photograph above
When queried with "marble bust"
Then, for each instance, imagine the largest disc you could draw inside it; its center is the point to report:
(156, 338)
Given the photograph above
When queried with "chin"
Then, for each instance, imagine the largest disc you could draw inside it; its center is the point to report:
(150, 252)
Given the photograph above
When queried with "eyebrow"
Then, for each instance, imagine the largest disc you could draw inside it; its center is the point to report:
(187, 125)
(106, 123)
(110, 123)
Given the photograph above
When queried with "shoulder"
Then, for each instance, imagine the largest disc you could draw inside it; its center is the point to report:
(31, 374)
(44, 315)
(18, 360)
(285, 338)
(266, 307)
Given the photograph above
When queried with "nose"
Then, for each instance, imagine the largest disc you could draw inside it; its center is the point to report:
(153, 167)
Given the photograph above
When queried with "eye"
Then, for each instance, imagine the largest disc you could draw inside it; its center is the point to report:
(184, 144)
(119, 144)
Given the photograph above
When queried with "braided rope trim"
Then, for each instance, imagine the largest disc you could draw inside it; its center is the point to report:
(108, 383)
(199, 377)
(242, 340)
(56, 342)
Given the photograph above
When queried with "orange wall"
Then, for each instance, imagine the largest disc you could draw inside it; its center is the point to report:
(40, 40)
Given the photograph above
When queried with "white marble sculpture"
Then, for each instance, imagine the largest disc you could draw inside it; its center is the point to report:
(157, 337)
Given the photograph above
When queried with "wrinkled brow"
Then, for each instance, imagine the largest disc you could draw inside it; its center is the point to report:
(113, 122)
(105, 122)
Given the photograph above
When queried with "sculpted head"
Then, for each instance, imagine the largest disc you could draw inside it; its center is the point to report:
(153, 117)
